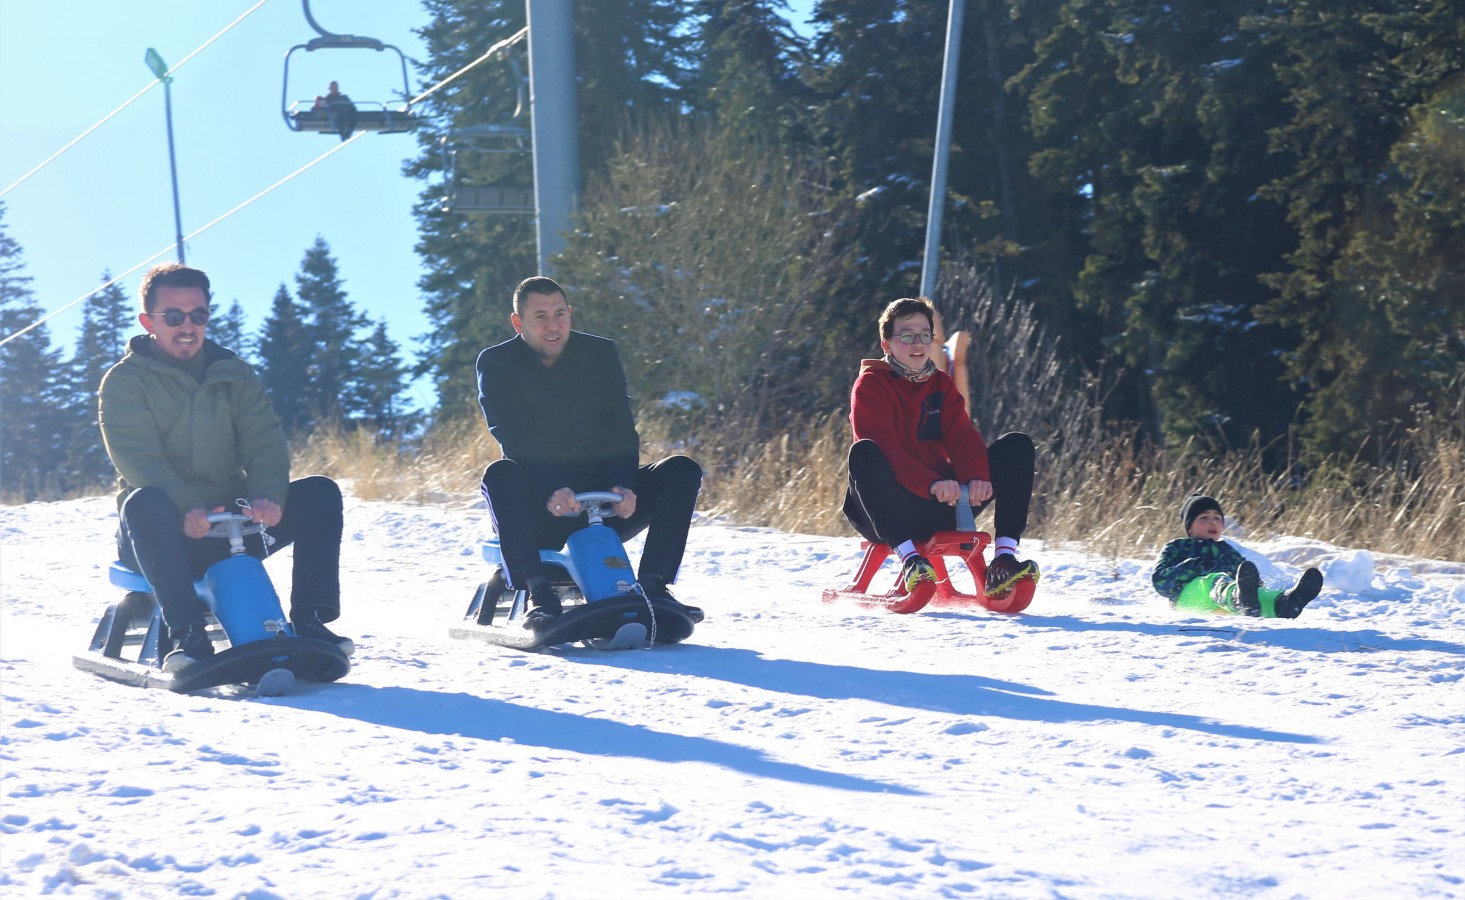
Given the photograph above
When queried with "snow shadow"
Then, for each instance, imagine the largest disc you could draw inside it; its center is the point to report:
(480, 718)
(968, 695)
(1265, 632)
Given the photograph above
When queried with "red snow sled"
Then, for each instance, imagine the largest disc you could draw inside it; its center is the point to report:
(965, 544)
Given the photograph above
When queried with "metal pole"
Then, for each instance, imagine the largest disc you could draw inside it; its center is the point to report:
(554, 116)
(159, 69)
(931, 262)
(173, 168)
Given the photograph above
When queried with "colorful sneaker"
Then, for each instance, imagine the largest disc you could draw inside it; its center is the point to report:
(1006, 570)
(917, 569)
(1291, 603)
(1248, 582)
(193, 643)
(656, 589)
(309, 625)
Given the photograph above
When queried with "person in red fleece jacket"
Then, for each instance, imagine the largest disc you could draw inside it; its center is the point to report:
(915, 446)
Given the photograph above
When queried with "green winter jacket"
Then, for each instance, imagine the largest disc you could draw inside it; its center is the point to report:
(205, 444)
(1185, 559)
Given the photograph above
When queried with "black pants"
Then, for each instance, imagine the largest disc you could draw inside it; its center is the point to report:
(151, 541)
(884, 511)
(666, 494)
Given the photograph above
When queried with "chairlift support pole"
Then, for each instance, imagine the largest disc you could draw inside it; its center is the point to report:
(931, 261)
(160, 69)
(555, 120)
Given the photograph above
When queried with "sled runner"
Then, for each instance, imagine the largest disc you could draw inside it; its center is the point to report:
(965, 544)
(604, 607)
(257, 646)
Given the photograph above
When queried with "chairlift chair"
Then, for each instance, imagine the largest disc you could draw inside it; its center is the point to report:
(371, 115)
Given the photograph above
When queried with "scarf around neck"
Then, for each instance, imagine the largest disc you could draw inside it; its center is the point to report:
(916, 375)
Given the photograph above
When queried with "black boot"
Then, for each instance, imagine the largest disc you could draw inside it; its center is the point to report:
(544, 604)
(1248, 582)
(655, 588)
(193, 643)
(1291, 604)
(309, 625)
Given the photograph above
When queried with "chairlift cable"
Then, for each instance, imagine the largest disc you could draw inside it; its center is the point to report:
(152, 84)
(507, 42)
(188, 237)
(487, 54)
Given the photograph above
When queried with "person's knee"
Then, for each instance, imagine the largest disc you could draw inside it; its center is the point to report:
(866, 461)
(1015, 446)
(150, 501)
(865, 451)
(682, 470)
(500, 472)
(316, 489)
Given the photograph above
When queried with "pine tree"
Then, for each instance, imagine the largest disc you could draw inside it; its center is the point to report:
(380, 385)
(1375, 259)
(285, 351)
(876, 80)
(332, 322)
(1151, 117)
(107, 320)
(33, 425)
(227, 330)
(749, 77)
(631, 62)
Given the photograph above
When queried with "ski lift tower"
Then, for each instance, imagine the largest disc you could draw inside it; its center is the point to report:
(555, 119)
(931, 261)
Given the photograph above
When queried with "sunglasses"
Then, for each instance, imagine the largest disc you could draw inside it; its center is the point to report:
(174, 317)
(910, 337)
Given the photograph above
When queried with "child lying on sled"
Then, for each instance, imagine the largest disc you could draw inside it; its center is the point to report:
(1203, 573)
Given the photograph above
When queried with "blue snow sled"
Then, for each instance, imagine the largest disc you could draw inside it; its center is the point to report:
(256, 644)
(604, 607)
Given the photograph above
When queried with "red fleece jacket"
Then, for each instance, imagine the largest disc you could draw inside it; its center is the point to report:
(921, 427)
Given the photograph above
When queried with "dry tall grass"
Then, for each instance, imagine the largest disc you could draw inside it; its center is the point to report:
(1096, 484)
(1112, 498)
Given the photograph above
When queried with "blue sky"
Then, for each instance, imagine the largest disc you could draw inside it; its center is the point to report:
(106, 204)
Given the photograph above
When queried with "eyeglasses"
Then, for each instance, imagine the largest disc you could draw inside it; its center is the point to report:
(174, 317)
(911, 337)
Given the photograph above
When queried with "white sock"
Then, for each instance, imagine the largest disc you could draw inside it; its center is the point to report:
(1004, 545)
(906, 550)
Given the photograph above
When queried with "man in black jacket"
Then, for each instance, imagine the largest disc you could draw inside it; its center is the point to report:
(556, 401)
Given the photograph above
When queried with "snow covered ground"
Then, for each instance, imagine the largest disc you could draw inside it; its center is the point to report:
(1099, 745)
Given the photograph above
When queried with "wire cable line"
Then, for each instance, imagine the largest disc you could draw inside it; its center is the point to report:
(108, 117)
(507, 42)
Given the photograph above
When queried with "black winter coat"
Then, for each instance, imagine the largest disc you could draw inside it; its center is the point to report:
(566, 425)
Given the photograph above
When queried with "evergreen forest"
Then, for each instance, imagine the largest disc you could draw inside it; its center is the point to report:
(1237, 223)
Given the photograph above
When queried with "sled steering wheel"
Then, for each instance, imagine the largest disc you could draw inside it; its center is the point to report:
(234, 526)
(597, 504)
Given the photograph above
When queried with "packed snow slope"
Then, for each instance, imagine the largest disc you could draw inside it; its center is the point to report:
(1098, 745)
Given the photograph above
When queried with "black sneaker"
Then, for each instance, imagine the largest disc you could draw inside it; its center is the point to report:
(545, 606)
(1291, 603)
(193, 644)
(309, 625)
(656, 589)
(1248, 581)
(1007, 570)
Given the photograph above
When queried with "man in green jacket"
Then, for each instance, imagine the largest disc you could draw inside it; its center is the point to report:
(191, 431)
